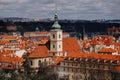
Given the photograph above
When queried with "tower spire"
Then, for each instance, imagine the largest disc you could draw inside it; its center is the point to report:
(56, 24)
(56, 16)
(55, 9)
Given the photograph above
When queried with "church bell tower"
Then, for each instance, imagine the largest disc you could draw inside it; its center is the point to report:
(56, 38)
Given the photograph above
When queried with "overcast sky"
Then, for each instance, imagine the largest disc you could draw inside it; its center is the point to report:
(67, 9)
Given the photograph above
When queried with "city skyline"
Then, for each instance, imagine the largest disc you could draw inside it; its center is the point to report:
(67, 9)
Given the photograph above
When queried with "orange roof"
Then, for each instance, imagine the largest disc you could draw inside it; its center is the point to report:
(37, 32)
(21, 47)
(107, 50)
(44, 41)
(70, 45)
(108, 42)
(59, 59)
(40, 52)
(118, 49)
(4, 41)
(95, 42)
(86, 44)
(44, 32)
(99, 40)
(94, 56)
(10, 58)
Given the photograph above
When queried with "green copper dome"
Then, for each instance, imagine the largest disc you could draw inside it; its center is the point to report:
(56, 24)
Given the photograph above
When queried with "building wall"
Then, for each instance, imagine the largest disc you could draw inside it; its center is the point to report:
(80, 71)
(35, 62)
(56, 43)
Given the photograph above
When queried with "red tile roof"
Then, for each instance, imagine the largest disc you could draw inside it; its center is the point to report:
(95, 42)
(40, 52)
(94, 55)
(10, 58)
(70, 45)
(107, 50)
(86, 44)
(37, 32)
(58, 60)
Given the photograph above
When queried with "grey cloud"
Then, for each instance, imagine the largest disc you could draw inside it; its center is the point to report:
(82, 9)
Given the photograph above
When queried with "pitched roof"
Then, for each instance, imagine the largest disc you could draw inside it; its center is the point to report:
(70, 45)
(39, 52)
(94, 55)
(107, 50)
(95, 42)
(10, 58)
(58, 60)
(36, 32)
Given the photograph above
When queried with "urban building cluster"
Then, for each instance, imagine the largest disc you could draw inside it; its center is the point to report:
(73, 59)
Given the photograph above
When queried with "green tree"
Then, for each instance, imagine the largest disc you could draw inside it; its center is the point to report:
(45, 73)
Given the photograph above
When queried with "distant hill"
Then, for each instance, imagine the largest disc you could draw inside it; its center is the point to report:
(77, 26)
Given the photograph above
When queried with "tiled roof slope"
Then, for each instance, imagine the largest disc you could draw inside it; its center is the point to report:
(94, 56)
(39, 52)
(10, 58)
(107, 50)
(59, 59)
(70, 45)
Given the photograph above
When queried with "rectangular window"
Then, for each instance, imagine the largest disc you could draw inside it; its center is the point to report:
(59, 46)
(31, 63)
(63, 69)
(68, 69)
(67, 64)
(59, 36)
(53, 46)
(64, 63)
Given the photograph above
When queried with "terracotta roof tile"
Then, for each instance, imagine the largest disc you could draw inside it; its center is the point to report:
(70, 45)
(94, 55)
(95, 42)
(10, 58)
(107, 50)
(58, 60)
(40, 52)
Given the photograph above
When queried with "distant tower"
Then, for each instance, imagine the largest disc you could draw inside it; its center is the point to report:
(84, 36)
(56, 38)
(37, 29)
